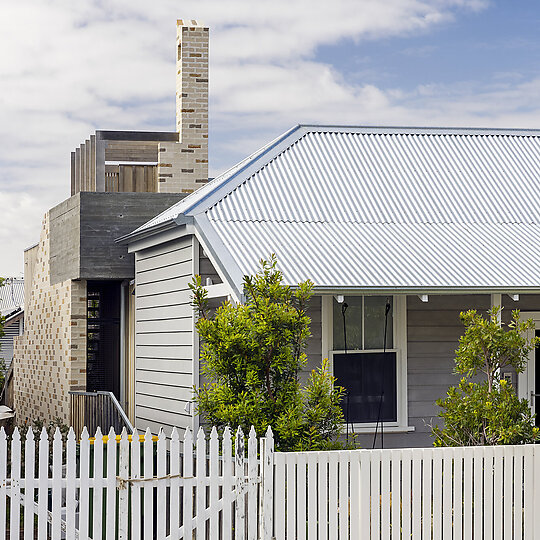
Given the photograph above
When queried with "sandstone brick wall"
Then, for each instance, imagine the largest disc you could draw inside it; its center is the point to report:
(183, 166)
(50, 358)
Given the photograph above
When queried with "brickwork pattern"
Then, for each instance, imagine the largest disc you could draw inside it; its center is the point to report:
(183, 166)
(50, 358)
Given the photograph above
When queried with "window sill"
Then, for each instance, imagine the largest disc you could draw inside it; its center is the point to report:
(360, 429)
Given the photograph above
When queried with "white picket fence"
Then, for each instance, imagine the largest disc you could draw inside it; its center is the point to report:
(224, 489)
(479, 493)
(135, 487)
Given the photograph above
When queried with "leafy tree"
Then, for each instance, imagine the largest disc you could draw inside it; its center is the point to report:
(488, 412)
(252, 355)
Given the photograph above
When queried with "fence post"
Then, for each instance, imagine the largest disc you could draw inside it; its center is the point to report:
(43, 484)
(536, 487)
(268, 486)
(239, 474)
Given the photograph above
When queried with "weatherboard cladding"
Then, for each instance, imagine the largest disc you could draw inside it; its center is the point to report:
(384, 208)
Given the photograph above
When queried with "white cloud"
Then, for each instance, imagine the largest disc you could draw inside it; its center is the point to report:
(68, 68)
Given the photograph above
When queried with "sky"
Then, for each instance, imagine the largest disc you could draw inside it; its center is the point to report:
(68, 68)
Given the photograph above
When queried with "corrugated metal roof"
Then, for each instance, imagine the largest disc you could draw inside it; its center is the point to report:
(380, 208)
(11, 296)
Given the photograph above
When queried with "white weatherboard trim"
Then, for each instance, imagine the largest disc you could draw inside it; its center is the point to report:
(526, 380)
(400, 348)
(195, 251)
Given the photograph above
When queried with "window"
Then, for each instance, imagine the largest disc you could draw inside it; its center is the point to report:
(374, 376)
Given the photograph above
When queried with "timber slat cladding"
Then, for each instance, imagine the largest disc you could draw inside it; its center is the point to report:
(130, 178)
(131, 151)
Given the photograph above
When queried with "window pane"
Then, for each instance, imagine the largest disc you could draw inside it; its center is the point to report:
(374, 308)
(370, 382)
(353, 321)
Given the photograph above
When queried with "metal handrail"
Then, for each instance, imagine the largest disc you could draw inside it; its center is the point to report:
(98, 409)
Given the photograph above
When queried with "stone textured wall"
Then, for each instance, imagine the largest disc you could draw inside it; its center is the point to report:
(183, 166)
(50, 358)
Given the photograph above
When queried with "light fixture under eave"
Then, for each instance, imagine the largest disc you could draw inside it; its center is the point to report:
(514, 297)
(424, 297)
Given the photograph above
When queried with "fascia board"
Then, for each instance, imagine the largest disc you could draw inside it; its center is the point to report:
(236, 179)
(219, 255)
(350, 289)
(171, 233)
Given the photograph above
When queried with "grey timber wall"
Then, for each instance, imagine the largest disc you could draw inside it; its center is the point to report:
(314, 345)
(163, 336)
(84, 229)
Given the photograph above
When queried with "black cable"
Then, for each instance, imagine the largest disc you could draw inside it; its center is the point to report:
(386, 311)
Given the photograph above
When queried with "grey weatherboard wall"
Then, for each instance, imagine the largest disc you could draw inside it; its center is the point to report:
(164, 335)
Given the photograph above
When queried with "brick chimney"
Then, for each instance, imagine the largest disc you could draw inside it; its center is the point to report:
(183, 166)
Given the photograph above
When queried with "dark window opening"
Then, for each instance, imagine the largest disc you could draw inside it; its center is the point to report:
(103, 337)
(370, 383)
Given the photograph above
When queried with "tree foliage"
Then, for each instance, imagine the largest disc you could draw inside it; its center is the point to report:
(488, 411)
(252, 355)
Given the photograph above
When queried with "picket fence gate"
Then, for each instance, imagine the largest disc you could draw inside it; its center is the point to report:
(130, 487)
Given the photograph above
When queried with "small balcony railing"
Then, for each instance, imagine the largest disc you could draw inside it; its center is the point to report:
(97, 409)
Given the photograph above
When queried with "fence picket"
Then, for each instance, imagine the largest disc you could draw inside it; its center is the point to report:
(148, 490)
(84, 491)
(518, 492)
(252, 484)
(416, 519)
(56, 484)
(385, 494)
(343, 495)
(488, 492)
(323, 495)
(14, 508)
(508, 492)
(123, 488)
(214, 475)
(43, 484)
(427, 476)
(468, 472)
(239, 522)
(447, 487)
(406, 465)
(528, 492)
(333, 500)
(97, 509)
(311, 497)
(71, 501)
(291, 496)
(200, 485)
(360, 526)
(29, 464)
(227, 485)
(375, 494)
(498, 493)
(268, 486)
(175, 511)
(161, 491)
(396, 494)
(188, 486)
(135, 487)
(458, 493)
(437, 492)
(110, 517)
(3, 476)
(301, 495)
